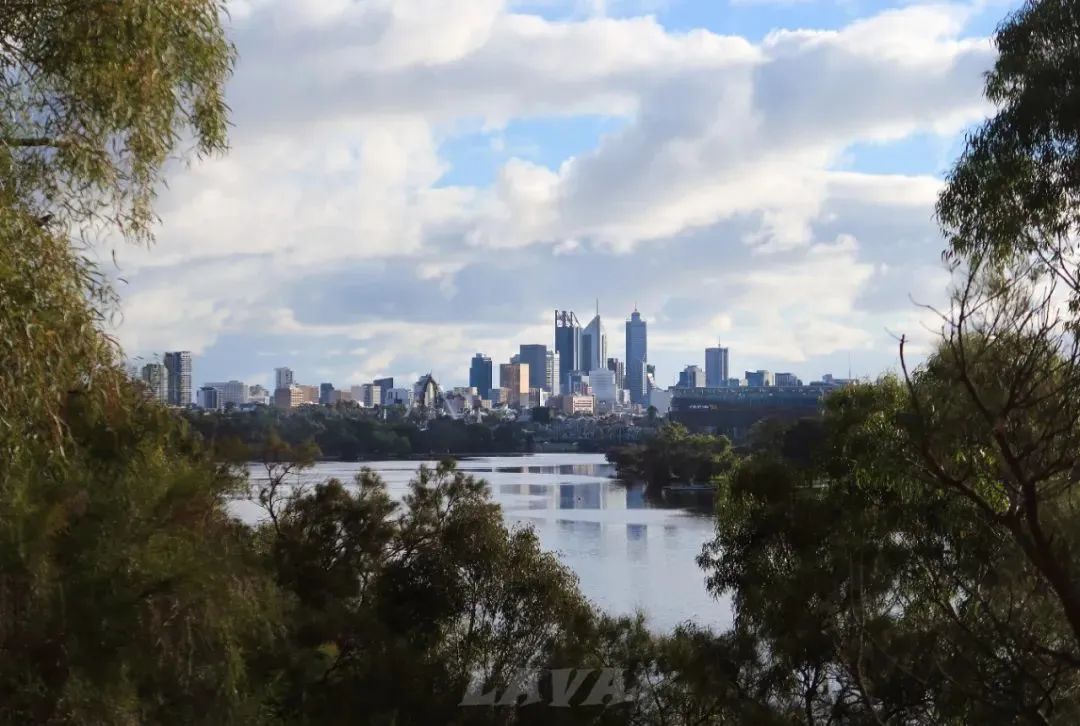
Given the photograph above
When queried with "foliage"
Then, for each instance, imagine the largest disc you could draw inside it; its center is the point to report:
(879, 596)
(673, 454)
(1014, 190)
(395, 608)
(351, 433)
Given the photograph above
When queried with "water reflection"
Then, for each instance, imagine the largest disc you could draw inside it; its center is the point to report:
(629, 553)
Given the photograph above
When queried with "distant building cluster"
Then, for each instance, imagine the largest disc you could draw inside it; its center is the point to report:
(573, 377)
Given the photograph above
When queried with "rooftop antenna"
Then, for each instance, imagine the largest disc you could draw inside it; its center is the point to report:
(597, 307)
(849, 365)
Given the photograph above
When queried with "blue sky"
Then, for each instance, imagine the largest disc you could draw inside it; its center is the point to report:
(413, 181)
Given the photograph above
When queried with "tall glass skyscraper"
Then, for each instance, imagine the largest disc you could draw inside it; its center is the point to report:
(594, 345)
(480, 375)
(536, 357)
(637, 353)
(716, 367)
(567, 345)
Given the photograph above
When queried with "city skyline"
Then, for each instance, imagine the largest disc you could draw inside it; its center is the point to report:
(485, 371)
(449, 188)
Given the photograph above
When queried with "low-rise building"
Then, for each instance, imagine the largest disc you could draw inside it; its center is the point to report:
(575, 403)
(234, 393)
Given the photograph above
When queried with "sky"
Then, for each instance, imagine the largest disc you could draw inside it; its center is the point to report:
(411, 182)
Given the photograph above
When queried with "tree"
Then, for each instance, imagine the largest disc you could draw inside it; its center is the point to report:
(126, 592)
(920, 565)
(396, 609)
(877, 597)
(1010, 363)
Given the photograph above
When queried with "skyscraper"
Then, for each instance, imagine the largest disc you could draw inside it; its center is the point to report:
(515, 378)
(157, 382)
(535, 356)
(283, 378)
(551, 372)
(593, 344)
(616, 365)
(480, 375)
(567, 344)
(692, 377)
(637, 353)
(716, 367)
(178, 372)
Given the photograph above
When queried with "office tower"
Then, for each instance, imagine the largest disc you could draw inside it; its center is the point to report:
(230, 392)
(535, 356)
(691, 377)
(593, 344)
(567, 345)
(386, 384)
(602, 382)
(515, 378)
(637, 353)
(759, 378)
(208, 398)
(326, 393)
(786, 379)
(283, 378)
(650, 380)
(157, 382)
(551, 372)
(716, 367)
(615, 365)
(480, 375)
(178, 372)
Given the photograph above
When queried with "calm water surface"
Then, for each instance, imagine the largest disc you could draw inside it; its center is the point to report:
(627, 553)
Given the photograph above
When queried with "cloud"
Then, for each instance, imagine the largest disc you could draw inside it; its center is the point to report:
(720, 204)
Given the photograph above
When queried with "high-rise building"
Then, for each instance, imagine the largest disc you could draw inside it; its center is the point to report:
(616, 366)
(602, 382)
(480, 375)
(716, 367)
(157, 382)
(759, 378)
(386, 384)
(230, 393)
(786, 379)
(535, 356)
(691, 377)
(551, 371)
(326, 393)
(567, 345)
(593, 344)
(178, 372)
(283, 378)
(637, 353)
(515, 378)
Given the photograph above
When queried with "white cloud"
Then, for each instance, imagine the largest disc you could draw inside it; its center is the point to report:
(329, 219)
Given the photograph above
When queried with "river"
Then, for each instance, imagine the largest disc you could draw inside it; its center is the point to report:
(628, 554)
